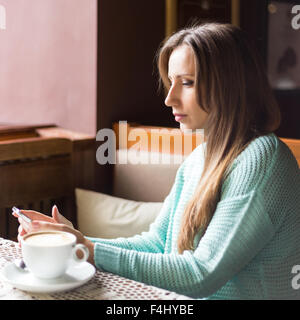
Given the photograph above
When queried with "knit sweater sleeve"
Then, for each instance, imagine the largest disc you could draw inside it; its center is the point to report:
(244, 222)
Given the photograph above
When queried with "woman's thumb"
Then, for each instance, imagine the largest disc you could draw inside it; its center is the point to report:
(58, 218)
(56, 215)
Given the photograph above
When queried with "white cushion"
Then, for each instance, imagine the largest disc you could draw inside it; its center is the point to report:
(103, 216)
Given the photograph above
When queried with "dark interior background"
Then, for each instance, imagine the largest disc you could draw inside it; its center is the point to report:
(129, 34)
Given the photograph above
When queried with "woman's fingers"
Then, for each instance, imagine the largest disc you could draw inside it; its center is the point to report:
(19, 239)
(42, 225)
(35, 215)
(26, 226)
(21, 231)
(41, 222)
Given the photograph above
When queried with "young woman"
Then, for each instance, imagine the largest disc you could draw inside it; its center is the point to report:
(230, 227)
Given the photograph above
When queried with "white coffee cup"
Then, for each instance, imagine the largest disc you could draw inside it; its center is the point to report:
(48, 254)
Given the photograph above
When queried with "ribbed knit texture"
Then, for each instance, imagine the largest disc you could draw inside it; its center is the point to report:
(250, 245)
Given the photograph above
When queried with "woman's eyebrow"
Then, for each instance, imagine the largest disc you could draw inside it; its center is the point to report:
(182, 75)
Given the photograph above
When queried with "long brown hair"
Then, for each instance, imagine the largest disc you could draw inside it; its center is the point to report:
(232, 87)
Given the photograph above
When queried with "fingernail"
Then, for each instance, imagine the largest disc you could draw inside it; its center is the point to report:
(57, 210)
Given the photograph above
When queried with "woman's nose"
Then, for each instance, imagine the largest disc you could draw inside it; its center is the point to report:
(171, 98)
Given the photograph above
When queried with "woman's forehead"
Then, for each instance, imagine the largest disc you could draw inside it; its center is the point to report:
(181, 62)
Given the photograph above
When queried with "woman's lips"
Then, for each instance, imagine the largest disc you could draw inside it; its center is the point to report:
(179, 117)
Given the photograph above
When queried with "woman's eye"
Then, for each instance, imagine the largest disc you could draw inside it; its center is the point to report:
(188, 83)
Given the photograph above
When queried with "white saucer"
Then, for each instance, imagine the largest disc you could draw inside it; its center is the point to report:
(75, 276)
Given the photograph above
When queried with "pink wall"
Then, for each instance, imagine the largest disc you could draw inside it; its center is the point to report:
(48, 63)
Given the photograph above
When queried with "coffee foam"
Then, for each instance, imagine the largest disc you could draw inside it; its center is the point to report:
(48, 239)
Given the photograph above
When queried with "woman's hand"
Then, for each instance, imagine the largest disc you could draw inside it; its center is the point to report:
(26, 227)
(41, 222)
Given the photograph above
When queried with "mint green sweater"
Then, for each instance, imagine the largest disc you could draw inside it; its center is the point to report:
(251, 243)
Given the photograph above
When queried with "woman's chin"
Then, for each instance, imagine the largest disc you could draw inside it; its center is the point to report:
(185, 126)
(192, 129)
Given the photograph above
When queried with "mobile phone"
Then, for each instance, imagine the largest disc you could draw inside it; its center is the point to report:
(21, 215)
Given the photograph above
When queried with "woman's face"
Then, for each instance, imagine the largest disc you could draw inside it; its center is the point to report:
(182, 94)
